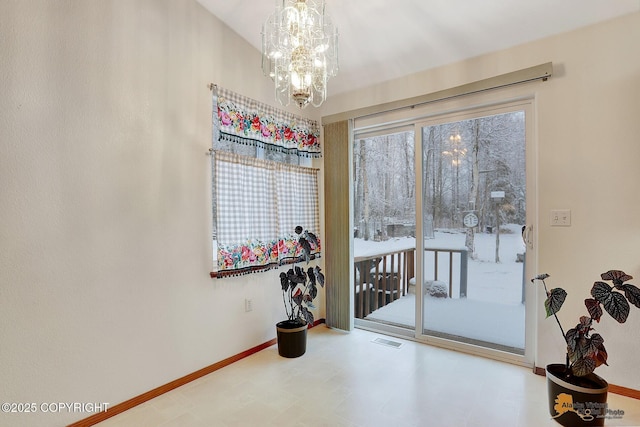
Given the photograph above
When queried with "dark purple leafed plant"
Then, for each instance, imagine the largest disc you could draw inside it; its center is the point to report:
(299, 287)
(585, 351)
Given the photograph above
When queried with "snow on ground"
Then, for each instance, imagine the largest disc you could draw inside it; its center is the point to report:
(493, 310)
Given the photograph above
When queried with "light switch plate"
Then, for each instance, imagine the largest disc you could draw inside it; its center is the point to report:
(561, 218)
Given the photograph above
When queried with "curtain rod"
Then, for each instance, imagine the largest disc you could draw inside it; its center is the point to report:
(538, 72)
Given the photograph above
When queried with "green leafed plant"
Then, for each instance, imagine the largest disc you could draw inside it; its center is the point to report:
(299, 287)
(585, 350)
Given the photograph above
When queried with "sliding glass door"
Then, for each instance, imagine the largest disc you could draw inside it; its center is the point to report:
(474, 212)
(441, 209)
(384, 226)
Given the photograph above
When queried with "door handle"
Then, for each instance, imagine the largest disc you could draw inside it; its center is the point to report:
(527, 238)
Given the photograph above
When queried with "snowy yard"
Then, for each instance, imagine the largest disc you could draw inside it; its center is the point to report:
(493, 309)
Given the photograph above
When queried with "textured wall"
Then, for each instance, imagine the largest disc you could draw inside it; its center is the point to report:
(105, 122)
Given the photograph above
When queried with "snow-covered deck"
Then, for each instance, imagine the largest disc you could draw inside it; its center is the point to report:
(493, 310)
(502, 324)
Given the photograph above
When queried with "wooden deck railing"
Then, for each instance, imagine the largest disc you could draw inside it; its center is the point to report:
(463, 268)
(383, 278)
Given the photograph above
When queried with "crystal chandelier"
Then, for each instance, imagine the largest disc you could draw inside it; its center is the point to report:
(300, 51)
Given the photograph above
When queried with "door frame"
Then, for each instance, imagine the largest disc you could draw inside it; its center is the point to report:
(494, 100)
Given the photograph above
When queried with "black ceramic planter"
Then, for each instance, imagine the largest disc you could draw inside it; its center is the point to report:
(581, 404)
(292, 338)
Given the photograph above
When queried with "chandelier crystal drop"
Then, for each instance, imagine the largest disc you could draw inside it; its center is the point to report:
(300, 51)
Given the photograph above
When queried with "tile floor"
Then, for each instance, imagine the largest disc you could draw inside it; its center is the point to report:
(348, 380)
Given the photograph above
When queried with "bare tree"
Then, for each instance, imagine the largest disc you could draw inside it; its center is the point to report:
(475, 182)
(489, 157)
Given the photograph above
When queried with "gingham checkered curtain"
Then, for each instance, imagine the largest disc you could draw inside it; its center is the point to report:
(246, 199)
(258, 205)
(297, 198)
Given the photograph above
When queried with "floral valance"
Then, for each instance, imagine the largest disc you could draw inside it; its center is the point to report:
(242, 120)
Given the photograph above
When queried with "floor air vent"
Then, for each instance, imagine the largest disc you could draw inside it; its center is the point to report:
(388, 343)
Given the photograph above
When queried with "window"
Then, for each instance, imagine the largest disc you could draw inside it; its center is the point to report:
(258, 198)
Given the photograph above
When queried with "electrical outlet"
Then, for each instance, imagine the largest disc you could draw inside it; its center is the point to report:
(248, 304)
(561, 218)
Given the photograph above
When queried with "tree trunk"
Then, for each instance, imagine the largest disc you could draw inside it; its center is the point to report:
(365, 192)
(475, 183)
(358, 156)
(387, 192)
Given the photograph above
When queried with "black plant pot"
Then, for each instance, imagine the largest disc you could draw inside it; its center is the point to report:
(292, 338)
(576, 401)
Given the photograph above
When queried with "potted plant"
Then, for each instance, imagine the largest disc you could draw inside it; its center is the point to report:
(577, 396)
(299, 289)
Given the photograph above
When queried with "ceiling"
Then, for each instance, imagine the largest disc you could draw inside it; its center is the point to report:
(379, 43)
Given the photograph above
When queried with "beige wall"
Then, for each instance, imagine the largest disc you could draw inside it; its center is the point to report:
(105, 122)
(588, 161)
